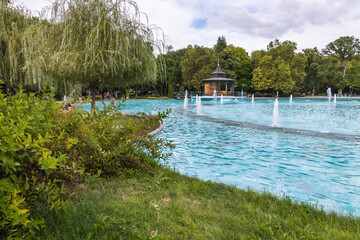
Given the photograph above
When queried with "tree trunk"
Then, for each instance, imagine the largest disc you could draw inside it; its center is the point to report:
(161, 89)
(93, 97)
(136, 91)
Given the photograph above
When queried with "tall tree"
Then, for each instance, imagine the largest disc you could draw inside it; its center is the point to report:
(330, 73)
(197, 64)
(344, 49)
(284, 71)
(220, 45)
(173, 67)
(237, 65)
(263, 75)
(244, 68)
(100, 41)
(354, 75)
(313, 58)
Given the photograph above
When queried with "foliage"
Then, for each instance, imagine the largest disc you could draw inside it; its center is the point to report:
(182, 91)
(353, 75)
(197, 64)
(313, 58)
(100, 42)
(173, 67)
(220, 45)
(284, 71)
(330, 72)
(343, 49)
(237, 65)
(43, 149)
(170, 92)
(32, 172)
(16, 49)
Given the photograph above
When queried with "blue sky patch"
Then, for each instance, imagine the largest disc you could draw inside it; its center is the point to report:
(199, 23)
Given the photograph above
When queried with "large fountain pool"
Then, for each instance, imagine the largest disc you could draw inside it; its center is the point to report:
(312, 157)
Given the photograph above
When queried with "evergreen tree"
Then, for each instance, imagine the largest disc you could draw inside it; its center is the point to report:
(220, 45)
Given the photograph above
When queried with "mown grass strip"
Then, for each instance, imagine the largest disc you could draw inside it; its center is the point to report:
(169, 205)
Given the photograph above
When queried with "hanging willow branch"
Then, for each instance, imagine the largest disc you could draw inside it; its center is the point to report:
(100, 41)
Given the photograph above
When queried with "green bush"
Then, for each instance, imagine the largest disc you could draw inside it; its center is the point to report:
(170, 92)
(43, 149)
(182, 91)
(29, 169)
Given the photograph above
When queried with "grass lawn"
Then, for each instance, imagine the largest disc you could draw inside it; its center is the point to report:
(169, 205)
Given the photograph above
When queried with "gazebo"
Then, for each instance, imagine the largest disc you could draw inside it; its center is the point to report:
(220, 83)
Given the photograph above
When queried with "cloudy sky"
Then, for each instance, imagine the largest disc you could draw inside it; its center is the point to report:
(250, 24)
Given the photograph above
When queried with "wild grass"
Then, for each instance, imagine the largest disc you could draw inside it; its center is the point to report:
(168, 205)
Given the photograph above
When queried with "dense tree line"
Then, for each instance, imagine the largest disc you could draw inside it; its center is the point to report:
(278, 68)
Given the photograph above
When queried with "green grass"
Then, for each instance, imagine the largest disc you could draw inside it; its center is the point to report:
(147, 123)
(175, 206)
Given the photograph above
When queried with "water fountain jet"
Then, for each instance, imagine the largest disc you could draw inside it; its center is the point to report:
(186, 100)
(222, 99)
(328, 91)
(198, 107)
(275, 122)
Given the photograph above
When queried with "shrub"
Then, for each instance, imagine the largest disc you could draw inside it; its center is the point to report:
(29, 169)
(182, 91)
(43, 149)
(170, 92)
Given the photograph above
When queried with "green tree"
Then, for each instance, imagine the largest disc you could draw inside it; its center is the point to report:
(313, 58)
(14, 46)
(330, 74)
(256, 57)
(173, 67)
(237, 65)
(220, 45)
(244, 68)
(100, 42)
(353, 75)
(197, 64)
(283, 80)
(344, 49)
(263, 75)
(276, 71)
(297, 69)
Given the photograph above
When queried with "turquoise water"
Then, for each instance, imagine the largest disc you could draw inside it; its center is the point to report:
(233, 144)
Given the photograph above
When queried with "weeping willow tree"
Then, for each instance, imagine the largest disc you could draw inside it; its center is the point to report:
(13, 23)
(99, 42)
(21, 52)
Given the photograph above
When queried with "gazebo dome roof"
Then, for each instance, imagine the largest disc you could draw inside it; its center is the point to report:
(218, 71)
(219, 76)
